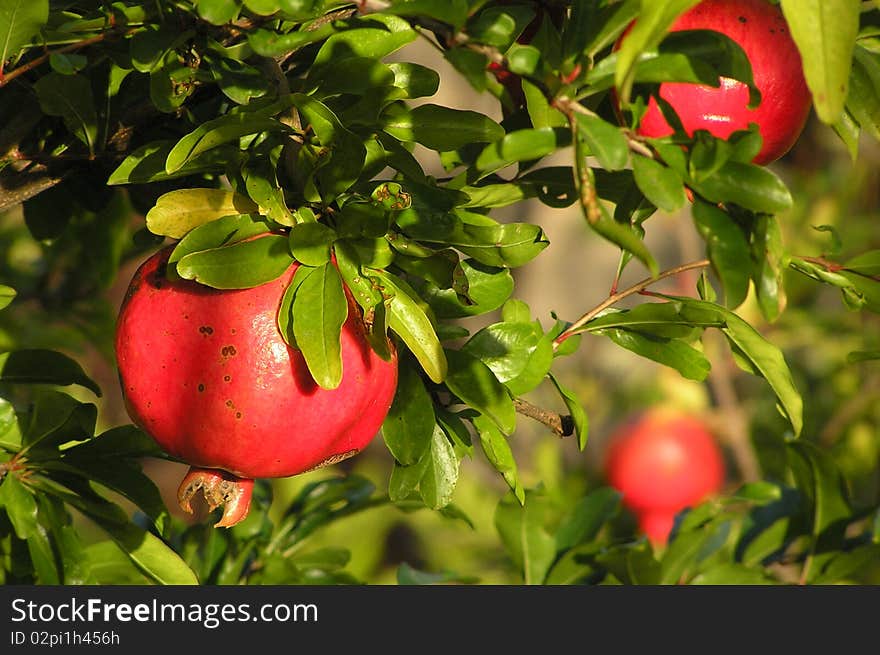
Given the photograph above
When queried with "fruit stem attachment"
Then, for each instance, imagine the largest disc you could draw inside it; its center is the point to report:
(221, 489)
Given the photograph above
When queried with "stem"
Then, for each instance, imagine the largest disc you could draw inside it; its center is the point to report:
(34, 63)
(574, 328)
(562, 425)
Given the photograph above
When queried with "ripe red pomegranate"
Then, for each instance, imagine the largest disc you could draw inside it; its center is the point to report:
(760, 29)
(207, 374)
(662, 462)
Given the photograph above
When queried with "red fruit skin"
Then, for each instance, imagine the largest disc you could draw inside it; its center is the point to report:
(663, 462)
(207, 374)
(760, 29)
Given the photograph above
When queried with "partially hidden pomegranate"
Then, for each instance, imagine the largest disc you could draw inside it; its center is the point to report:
(208, 375)
(760, 29)
(663, 461)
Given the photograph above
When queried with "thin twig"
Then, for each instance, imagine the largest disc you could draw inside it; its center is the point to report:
(561, 424)
(617, 297)
(34, 63)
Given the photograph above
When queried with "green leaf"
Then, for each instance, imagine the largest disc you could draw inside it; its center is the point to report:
(585, 520)
(441, 128)
(848, 564)
(441, 471)
(240, 265)
(267, 43)
(632, 564)
(177, 212)
(690, 547)
(863, 100)
(475, 384)
(728, 250)
(20, 506)
(750, 186)
(819, 478)
(319, 311)
(768, 255)
(661, 185)
(862, 356)
(375, 37)
(262, 7)
(147, 164)
(34, 366)
(70, 97)
(218, 131)
(520, 145)
(20, 22)
(521, 527)
(7, 295)
(418, 81)
(355, 75)
(868, 263)
(654, 20)
(505, 347)
(825, 35)
(409, 321)
(122, 441)
(578, 414)
(238, 81)
(218, 12)
(600, 220)
(310, 243)
(263, 188)
(218, 233)
(498, 452)
(766, 358)
(409, 425)
(605, 141)
(348, 151)
(487, 289)
(508, 244)
(675, 353)
(151, 555)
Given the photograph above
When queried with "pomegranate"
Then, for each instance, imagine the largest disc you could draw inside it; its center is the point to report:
(208, 375)
(760, 29)
(662, 462)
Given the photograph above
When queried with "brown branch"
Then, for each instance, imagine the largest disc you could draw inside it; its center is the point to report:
(15, 189)
(561, 424)
(39, 61)
(617, 297)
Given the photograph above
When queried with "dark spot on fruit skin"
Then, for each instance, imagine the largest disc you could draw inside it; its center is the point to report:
(233, 330)
(201, 387)
(230, 404)
(743, 19)
(227, 378)
(237, 414)
(228, 351)
(206, 329)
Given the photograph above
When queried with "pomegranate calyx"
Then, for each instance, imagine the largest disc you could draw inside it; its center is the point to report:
(220, 489)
